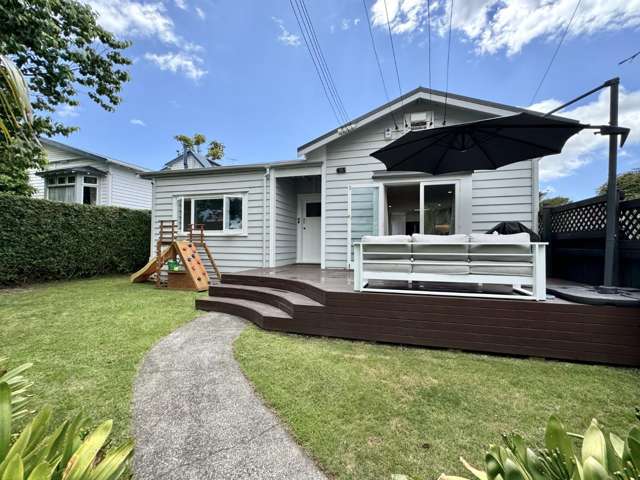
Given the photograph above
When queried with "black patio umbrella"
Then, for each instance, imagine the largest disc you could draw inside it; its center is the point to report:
(480, 145)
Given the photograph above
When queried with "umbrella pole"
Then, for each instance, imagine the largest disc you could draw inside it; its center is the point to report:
(612, 191)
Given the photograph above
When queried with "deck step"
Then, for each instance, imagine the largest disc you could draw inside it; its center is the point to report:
(257, 312)
(282, 299)
(276, 283)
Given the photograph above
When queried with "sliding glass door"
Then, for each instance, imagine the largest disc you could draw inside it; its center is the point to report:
(363, 207)
(439, 208)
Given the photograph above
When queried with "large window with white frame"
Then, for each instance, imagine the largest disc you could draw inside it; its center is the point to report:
(62, 188)
(223, 214)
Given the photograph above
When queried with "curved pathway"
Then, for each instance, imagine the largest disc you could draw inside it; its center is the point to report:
(195, 416)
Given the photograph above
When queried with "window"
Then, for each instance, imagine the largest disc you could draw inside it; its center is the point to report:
(439, 209)
(61, 189)
(419, 120)
(90, 190)
(224, 214)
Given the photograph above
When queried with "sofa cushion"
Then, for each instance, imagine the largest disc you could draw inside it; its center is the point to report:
(452, 268)
(500, 245)
(440, 244)
(387, 252)
(387, 267)
(499, 268)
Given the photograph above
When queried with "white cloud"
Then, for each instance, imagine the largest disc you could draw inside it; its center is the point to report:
(356, 21)
(178, 62)
(67, 111)
(131, 18)
(585, 146)
(286, 37)
(137, 121)
(181, 4)
(200, 13)
(509, 25)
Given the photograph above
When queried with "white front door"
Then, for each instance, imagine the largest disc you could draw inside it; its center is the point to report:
(310, 213)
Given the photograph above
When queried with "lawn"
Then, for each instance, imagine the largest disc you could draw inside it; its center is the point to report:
(366, 411)
(86, 339)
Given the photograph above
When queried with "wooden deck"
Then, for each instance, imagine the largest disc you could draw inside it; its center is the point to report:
(307, 300)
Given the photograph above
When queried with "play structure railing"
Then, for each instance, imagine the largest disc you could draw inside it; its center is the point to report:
(452, 263)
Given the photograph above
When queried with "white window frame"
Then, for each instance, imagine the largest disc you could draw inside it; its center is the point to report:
(89, 185)
(48, 184)
(242, 232)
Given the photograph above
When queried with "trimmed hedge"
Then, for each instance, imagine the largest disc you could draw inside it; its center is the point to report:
(42, 240)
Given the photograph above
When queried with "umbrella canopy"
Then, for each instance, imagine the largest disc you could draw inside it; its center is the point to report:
(481, 145)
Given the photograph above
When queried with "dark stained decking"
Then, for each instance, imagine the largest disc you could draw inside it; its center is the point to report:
(307, 300)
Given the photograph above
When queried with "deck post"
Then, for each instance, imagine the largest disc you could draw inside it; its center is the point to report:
(547, 214)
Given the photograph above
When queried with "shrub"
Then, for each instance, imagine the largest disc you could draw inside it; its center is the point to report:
(42, 240)
(41, 452)
(600, 456)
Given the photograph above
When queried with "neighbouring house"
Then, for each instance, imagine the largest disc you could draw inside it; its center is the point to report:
(77, 176)
(312, 209)
(189, 159)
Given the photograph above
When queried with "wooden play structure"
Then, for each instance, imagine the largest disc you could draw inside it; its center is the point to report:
(185, 269)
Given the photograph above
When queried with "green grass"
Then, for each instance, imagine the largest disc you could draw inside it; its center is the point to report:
(366, 411)
(86, 339)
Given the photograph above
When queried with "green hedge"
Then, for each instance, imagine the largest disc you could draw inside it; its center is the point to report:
(42, 240)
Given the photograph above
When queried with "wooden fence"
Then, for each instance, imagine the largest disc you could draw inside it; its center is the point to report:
(576, 234)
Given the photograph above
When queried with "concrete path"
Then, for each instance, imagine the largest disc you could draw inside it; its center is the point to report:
(195, 416)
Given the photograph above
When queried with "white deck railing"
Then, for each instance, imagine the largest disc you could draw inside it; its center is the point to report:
(367, 268)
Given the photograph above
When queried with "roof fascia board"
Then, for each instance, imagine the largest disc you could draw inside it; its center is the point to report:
(438, 97)
(230, 169)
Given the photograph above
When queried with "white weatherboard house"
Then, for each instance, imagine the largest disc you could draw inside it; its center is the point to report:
(77, 176)
(312, 210)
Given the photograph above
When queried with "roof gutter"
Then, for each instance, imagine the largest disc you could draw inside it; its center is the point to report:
(256, 167)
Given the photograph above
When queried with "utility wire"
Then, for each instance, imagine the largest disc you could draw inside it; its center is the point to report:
(555, 53)
(429, 61)
(315, 64)
(629, 59)
(446, 90)
(375, 52)
(395, 61)
(323, 61)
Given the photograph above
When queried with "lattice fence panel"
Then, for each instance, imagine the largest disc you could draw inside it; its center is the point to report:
(629, 220)
(586, 218)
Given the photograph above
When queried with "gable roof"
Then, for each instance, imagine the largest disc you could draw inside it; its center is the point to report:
(94, 156)
(422, 93)
(200, 159)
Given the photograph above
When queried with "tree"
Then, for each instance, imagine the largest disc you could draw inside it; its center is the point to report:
(59, 48)
(554, 201)
(628, 182)
(18, 141)
(186, 141)
(199, 139)
(215, 151)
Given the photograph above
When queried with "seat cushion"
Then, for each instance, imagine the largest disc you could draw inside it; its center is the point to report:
(387, 252)
(440, 244)
(485, 267)
(500, 245)
(453, 268)
(387, 267)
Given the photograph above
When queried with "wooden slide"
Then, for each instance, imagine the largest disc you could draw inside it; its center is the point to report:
(193, 274)
(149, 269)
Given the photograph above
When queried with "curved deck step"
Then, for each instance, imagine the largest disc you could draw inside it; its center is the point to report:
(259, 313)
(288, 301)
(286, 284)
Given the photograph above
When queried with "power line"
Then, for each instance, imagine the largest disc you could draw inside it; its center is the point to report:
(315, 64)
(629, 59)
(429, 50)
(564, 34)
(395, 61)
(323, 62)
(319, 61)
(375, 52)
(446, 90)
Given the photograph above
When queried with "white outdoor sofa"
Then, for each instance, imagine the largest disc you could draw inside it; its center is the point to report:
(482, 259)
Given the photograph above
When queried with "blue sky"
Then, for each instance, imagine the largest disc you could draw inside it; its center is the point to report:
(239, 72)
